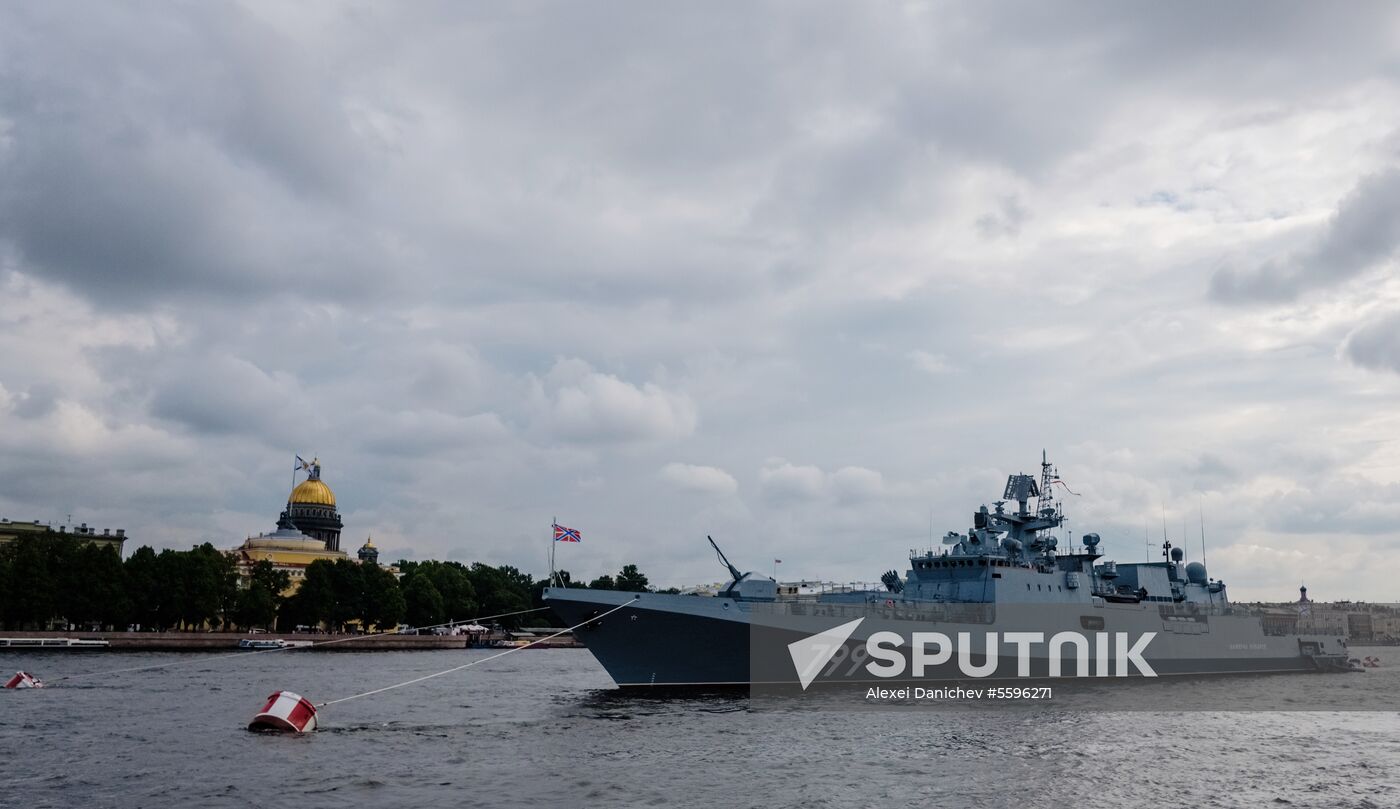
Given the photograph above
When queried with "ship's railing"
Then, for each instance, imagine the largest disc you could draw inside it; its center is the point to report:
(790, 589)
(1188, 610)
(891, 609)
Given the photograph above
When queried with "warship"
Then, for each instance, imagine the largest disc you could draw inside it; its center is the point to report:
(1006, 572)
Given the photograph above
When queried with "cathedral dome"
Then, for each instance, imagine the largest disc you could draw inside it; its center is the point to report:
(313, 491)
(311, 507)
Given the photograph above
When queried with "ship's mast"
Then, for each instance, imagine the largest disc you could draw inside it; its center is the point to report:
(1047, 474)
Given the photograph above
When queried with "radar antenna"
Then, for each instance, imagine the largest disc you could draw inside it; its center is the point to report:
(733, 571)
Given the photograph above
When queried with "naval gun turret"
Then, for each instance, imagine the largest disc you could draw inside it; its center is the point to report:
(749, 586)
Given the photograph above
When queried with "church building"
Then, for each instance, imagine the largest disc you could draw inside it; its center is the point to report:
(308, 529)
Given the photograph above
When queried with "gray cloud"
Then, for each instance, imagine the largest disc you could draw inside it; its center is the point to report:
(705, 479)
(1363, 234)
(500, 264)
(1376, 343)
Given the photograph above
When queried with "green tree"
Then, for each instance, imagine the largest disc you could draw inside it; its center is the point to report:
(112, 607)
(33, 587)
(455, 585)
(266, 575)
(314, 602)
(211, 586)
(603, 582)
(170, 589)
(347, 588)
(6, 586)
(383, 604)
(631, 580)
(422, 602)
(255, 607)
(500, 590)
(258, 603)
(141, 574)
(68, 564)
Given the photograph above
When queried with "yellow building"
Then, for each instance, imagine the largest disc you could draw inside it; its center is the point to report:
(307, 530)
(287, 549)
(291, 548)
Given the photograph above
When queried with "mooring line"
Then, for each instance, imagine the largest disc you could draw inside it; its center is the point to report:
(250, 653)
(482, 660)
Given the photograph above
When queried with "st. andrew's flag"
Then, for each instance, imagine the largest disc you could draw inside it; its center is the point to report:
(562, 534)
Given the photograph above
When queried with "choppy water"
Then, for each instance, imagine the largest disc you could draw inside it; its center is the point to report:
(545, 728)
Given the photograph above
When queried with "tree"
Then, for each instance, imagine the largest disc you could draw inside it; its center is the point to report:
(314, 602)
(382, 605)
(107, 587)
(422, 602)
(458, 594)
(141, 574)
(170, 587)
(258, 603)
(6, 586)
(603, 582)
(347, 588)
(255, 607)
(33, 587)
(501, 590)
(266, 575)
(631, 580)
(211, 586)
(68, 565)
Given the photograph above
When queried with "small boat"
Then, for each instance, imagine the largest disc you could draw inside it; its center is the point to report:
(508, 644)
(263, 645)
(52, 643)
(259, 645)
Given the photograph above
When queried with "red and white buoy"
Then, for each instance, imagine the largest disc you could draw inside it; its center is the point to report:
(286, 711)
(24, 679)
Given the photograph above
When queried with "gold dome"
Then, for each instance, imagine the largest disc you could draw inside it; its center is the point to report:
(314, 492)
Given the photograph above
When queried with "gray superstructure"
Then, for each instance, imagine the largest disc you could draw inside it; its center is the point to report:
(1007, 571)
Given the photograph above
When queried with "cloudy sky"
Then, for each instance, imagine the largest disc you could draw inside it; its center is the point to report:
(805, 277)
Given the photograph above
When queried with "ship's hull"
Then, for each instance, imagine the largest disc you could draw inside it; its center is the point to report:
(672, 640)
(657, 642)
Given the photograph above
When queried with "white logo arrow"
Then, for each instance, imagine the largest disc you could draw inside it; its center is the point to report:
(811, 654)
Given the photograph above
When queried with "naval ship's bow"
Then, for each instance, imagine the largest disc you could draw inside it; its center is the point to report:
(659, 639)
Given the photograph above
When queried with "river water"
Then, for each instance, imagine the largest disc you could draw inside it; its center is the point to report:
(546, 728)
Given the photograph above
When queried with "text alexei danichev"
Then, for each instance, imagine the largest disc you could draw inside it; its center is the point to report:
(959, 693)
